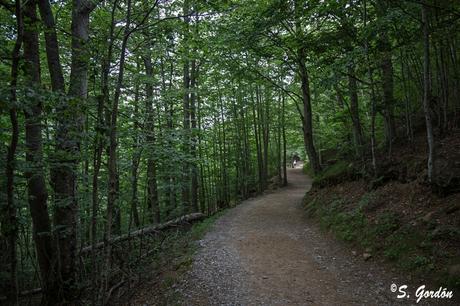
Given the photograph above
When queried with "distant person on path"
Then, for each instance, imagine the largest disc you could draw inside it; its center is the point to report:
(295, 158)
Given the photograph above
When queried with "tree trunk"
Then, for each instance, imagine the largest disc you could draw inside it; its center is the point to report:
(427, 95)
(258, 145)
(373, 96)
(52, 47)
(36, 185)
(285, 181)
(186, 108)
(407, 107)
(307, 114)
(386, 67)
(99, 143)
(8, 216)
(135, 161)
(354, 111)
(278, 138)
(113, 212)
(265, 111)
(68, 139)
(152, 190)
(194, 138)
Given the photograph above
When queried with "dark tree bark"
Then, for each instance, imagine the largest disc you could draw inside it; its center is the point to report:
(170, 200)
(265, 111)
(258, 145)
(9, 226)
(456, 72)
(52, 47)
(136, 158)
(185, 184)
(427, 94)
(36, 185)
(223, 153)
(69, 129)
(194, 137)
(373, 95)
(99, 143)
(285, 181)
(278, 138)
(113, 210)
(152, 189)
(247, 170)
(307, 114)
(386, 67)
(407, 107)
(354, 111)
(307, 122)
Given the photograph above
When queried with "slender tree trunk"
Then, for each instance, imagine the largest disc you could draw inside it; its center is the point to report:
(172, 177)
(454, 61)
(52, 47)
(135, 161)
(152, 189)
(266, 135)
(373, 96)
(170, 199)
(247, 170)
(222, 139)
(427, 95)
(279, 128)
(9, 211)
(285, 181)
(386, 67)
(203, 195)
(354, 111)
(186, 121)
(407, 107)
(113, 213)
(388, 99)
(99, 144)
(442, 72)
(194, 138)
(258, 149)
(341, 105)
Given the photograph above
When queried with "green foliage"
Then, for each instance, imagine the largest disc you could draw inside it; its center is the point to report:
(333, 174)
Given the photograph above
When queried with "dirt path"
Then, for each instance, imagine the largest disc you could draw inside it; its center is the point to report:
(265, 252)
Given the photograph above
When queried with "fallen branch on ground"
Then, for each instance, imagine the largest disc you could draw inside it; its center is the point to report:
(143, 231)
(148, 230)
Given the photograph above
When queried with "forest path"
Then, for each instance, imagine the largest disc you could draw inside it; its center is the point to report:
(266, 252)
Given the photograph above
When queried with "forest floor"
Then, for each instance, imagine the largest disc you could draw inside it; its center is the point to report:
(266, 251)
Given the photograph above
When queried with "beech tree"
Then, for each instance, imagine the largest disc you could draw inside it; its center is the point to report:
(122, 120)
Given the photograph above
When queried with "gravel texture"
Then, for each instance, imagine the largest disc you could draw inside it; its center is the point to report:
(266, 252)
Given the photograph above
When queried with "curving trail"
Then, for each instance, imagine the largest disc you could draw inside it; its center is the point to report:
(266, 252)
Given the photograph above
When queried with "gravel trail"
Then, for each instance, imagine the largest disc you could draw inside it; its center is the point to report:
(266, 252)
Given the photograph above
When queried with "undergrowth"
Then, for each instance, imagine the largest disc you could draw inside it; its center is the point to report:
(409, 248)
(177, 257)
(330, 175)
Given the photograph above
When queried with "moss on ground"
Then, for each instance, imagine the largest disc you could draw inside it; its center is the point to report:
(410, 247)
(331, 174)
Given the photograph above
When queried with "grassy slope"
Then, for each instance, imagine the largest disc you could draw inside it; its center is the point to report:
(398, 220)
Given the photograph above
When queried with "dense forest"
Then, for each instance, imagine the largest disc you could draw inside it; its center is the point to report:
(121, 118)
